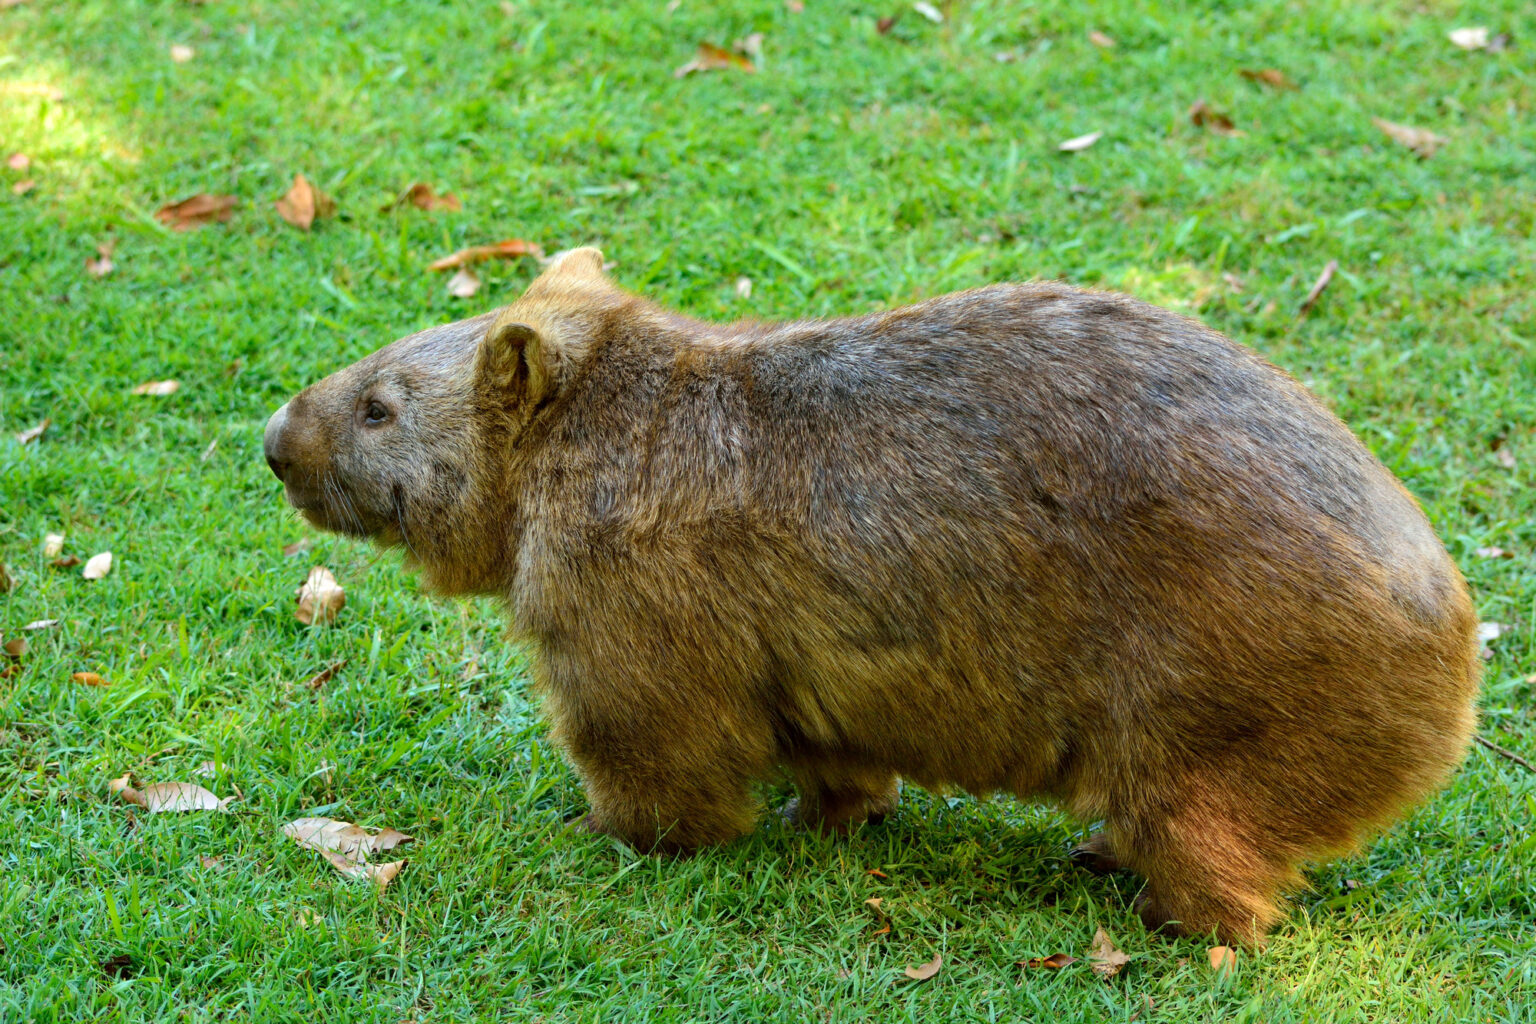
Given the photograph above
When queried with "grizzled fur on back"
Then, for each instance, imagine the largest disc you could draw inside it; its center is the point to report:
(1023, 538)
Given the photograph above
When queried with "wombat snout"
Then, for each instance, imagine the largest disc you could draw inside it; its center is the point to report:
(272, 443)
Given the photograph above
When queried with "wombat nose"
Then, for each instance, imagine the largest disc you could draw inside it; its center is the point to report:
(271, 443)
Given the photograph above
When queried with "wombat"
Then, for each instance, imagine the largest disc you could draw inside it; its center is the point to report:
(1026, 538)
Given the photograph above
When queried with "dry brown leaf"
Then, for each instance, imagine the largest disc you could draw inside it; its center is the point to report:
(40, 624)
(6, 583)
(97, 566)
(102, 265)
(1318, 286)
(303, 204)
(210, 863)
(181, 53)
(1272, 77)
(1493, 553)
(874, 903)
(320, 598)
(53, 544)
(21, 188)
(463, 284)
(884, 25)
(1203, 115)
(168, 796)
(1107, 960)
(1080, 143)
(15, 647)
(298, 547)
(927, 970)
(322, 677)
(1470, 38)
(1223, 958)
(750, 46)
(18, 161)
(877, 873)
(33, 433)
(1421, 140)
(351, 842)
(88, 679)
(743, 287)
(1101, 40)
(196, 211)
(67, 562)
(710, 57)
(509, 249)
(380, 874)
(1487, 632)
(424, 197)
(795, 6)
(156, 387)
(1505, 456)
(1054, 962)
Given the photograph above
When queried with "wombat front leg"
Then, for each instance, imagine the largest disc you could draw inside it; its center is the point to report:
(839, 798)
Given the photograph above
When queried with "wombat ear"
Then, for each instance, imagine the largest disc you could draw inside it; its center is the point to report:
(511, 358)
(583, 262)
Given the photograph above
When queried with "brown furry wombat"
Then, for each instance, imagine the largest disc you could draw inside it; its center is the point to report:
(1023, 538)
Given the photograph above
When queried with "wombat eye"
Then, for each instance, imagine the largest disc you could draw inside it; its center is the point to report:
(375, 414)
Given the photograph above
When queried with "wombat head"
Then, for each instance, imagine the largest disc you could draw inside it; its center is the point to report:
(411, 446)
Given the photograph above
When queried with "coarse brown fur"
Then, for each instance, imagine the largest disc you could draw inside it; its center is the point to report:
(1025, 538)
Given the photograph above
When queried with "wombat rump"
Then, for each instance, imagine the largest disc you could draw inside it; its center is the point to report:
(1026, 538)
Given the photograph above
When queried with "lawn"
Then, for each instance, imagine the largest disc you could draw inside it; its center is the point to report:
(853, 170)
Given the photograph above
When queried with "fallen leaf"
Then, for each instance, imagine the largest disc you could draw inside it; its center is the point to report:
(424, 197)
(929, 11)
(210, 863)
(1318, 286)
(1223, 958)
(927, 970)
(168, 796)
(322, 677)
(795, 6)
(509, 249)
(206, 770)
(102, 265)
(6, 583)
(1106, 959)
(750, 46)
(1487, 632)
(1421, 140)
(884, 25)
(97, 566)
(352, 842)
(1505, 456)
(1233, 281)
(710, 57)
(463, 284)
(877, 873)
(1470, 38)
(15, 647)
(743, 287)
(119, 965)
(41, 624)
(196, 211)
(18, 161)
(21, 188)
(156, 387)
(67, 562)
(1054, 962)
(303, 204)
(1205, 116)
(53, 543)
(380, 874)
(874, 902)
(88, 679)
(320, 598)
(181, 53)
(1493, 553)
(1100, 40)
(298, 547)
(1272, 77)
(1080, 143)
(33, 433)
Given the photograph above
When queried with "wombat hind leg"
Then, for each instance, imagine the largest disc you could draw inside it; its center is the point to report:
(680, 816)
(839, 799)
(1202, 876)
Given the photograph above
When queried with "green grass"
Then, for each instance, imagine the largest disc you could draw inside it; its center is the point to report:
(854, 171)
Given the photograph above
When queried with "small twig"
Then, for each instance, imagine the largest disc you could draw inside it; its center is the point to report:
(1317, 289)
(1522, 762)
